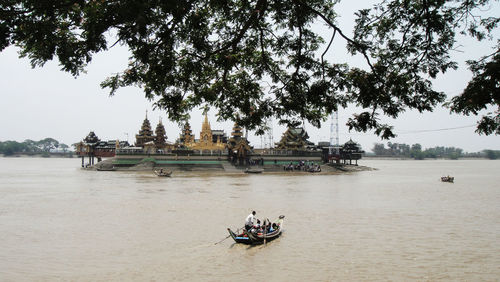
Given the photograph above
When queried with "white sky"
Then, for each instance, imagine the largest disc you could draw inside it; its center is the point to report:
(46, 102)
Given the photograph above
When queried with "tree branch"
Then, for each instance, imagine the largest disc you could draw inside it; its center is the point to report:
(360, 47)
(258, 12)
(326, 50)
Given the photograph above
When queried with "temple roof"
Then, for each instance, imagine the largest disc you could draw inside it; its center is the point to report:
(218, 132)
(91, 138)
(351, 146)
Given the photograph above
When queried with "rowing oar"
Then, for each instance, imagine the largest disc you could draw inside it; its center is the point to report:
(237, 232)
(223, 239)
(265, 231)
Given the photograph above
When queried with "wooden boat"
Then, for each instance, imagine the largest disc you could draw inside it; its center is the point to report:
(241, 237)
(315, 169)
(105, 169)
(448, 179)
(163, 173)
(255, 237)
(254, 170)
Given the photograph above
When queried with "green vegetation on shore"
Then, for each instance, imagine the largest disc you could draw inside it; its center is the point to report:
(492, 154)
(416, 151)
(29, 147)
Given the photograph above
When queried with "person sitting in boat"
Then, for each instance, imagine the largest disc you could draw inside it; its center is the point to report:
(257, 226)
(264, 226)
(268, 227)
(249, 221)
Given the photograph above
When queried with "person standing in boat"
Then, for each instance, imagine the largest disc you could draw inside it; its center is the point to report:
(249, 221)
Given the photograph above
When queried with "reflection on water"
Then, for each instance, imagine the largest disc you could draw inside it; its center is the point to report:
(396, 223)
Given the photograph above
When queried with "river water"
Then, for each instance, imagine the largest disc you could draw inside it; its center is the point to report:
(399, 222)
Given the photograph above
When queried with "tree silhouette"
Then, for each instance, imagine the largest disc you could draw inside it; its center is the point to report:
(252, 60)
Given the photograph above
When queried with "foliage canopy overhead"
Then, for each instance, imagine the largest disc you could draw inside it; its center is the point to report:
(252, 60)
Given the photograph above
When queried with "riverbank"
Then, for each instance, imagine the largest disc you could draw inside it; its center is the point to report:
(219, 165)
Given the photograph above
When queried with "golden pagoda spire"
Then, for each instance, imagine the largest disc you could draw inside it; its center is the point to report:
(206, 125)
(206, 133)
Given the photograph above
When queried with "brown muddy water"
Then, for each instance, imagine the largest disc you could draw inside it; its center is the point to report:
(400, 223)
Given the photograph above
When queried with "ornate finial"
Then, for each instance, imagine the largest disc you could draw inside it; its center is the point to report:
(146, 114)
(160, 120)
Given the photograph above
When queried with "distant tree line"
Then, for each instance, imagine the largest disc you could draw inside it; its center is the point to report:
(30, 147)
(415, 151)
(492, 154)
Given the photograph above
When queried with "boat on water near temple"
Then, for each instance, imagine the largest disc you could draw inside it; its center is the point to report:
(314, 169)
(447, 179)
(163, 173)
(254, 170)
(258, 236)
(105, 169)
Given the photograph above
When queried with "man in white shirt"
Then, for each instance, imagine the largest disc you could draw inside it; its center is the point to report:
(249, 221)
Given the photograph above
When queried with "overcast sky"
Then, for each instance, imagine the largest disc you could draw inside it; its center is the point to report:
(46, 102)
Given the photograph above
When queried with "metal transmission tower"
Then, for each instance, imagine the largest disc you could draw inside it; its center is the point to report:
(270, 133)
(334, 133)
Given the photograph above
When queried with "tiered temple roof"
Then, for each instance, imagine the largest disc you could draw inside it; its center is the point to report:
(294, 139)
(145, 134)
(237, 131)
(237, 142)
(91, 138)
(186, 138)
(238, 146)
(161, 137)
(352, 147)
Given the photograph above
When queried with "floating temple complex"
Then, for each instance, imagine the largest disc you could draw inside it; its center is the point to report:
(213, 150)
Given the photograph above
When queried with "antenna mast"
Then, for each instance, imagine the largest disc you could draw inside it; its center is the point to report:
(334, 133)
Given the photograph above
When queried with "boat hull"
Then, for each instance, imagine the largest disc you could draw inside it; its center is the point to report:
(447, 179)
(163, 174)
(254, 170)
(240, 238)
(255, 238)
(261, 238)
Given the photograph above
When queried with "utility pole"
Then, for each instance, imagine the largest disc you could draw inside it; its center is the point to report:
(270, 133)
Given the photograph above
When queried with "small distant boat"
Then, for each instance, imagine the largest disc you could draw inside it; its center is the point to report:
(258, 236)
(447, 179)
(315, 169)
(254, 170)
(163, 173)
(105, 169)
